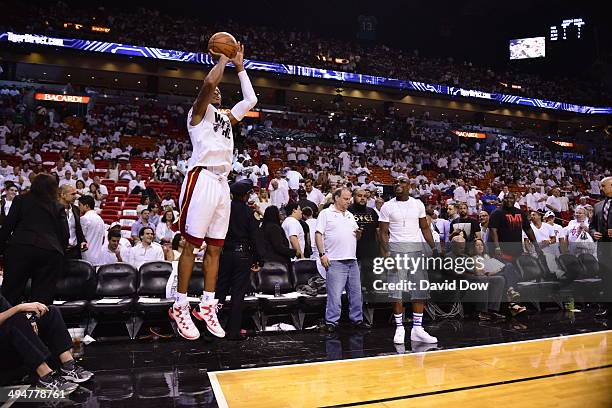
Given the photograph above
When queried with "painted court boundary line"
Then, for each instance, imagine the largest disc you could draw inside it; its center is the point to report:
(222, 402)
(471, 387)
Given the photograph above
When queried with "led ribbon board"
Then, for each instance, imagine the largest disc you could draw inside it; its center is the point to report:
(287, 69)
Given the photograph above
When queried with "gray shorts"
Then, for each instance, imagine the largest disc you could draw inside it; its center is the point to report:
(416, 276)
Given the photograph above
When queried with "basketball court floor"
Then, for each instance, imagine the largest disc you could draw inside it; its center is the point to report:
(541, 360)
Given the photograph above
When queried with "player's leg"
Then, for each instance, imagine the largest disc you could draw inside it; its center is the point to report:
(418, 299)
(215, 235)
(193, 223)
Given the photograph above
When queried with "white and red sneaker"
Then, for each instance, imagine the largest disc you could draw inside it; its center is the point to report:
(186, 328)
(208, 314)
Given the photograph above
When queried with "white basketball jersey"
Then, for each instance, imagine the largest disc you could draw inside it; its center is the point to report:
(212, 140)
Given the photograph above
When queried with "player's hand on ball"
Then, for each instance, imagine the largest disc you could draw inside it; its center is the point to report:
(238, 60)
(221, 58)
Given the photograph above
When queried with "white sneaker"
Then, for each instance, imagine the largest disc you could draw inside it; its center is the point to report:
(419, 334)
(186, 328)
(400, 334)
(208, 314)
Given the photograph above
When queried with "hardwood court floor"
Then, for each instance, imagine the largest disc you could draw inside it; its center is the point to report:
(561, 371)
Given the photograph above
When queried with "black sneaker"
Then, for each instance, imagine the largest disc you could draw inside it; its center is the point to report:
(361, 325)
(54, 382)
(77, 374)
(327, 328)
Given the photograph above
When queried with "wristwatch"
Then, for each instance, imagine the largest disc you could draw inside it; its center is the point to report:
(322, 255)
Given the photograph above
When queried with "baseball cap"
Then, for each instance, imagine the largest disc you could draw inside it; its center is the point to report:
(549, 214)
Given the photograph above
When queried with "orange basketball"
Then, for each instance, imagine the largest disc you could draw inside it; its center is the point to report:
(223, 43)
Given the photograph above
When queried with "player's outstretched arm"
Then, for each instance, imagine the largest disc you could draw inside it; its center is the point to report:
(208, 88)
(248, 94)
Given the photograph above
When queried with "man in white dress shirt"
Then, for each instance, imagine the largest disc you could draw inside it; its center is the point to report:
(279, 190)
(146, 250)
(93, 229)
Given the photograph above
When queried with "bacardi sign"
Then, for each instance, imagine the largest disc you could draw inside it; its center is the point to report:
(61, 98)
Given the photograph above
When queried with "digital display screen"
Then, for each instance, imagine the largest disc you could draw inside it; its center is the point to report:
(523, 48)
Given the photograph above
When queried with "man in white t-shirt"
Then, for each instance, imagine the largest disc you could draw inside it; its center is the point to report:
(553, 203)
(546, 237)
(336, 240)
(293, 229)
(313, 194)
(293, 179)
(401, 222)
(549, 218)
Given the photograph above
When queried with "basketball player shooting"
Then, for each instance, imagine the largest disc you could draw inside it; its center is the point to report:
(205, 197)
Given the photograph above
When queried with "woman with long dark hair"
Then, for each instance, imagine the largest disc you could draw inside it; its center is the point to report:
(33, 239)
(275, 243)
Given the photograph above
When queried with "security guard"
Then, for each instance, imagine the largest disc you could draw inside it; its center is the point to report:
(241, 255)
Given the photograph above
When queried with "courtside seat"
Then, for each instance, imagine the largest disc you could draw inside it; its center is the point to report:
(115, 291)
(533, 287)
(75, 288)
(584, 276)
(153, 277)
(271, 275)
(301, 272)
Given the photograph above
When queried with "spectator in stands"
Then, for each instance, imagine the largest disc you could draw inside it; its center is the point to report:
(279, 190)
(577, 235)
(137, 185)
(154, 217)
(33, 239)
(93, 229)
(7, 201)
(261, 203)
(146, 250)
(293, 229)
(506, 227)
(178, 244)
(81, 189)
(128, 173)
(553, 202)
(145, 201)
(304, 202)
(76, 240)
(163, 231)
(368, 245)
(94, 192)
(465, 223)
(314, 194)
(275, 243)
(336, 239)
(489, 266)
(31, 341)
(601, 231)
(168, 201)
(487, 302)
(111, 251)
(560, 241)
(142, 221)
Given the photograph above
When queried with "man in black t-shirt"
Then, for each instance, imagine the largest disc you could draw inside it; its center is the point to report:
(470, 226)
(506, 226)
(367, 245)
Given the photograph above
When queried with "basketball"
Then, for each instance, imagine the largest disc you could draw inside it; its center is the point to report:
(223, 43)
